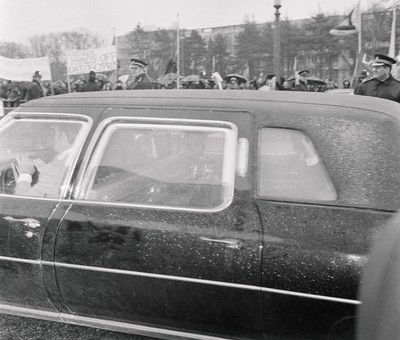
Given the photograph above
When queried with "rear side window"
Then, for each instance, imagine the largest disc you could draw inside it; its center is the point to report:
(290, 167)
(176, 166)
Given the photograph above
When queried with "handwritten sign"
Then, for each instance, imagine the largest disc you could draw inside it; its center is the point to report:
(23, 69)
(98, 60)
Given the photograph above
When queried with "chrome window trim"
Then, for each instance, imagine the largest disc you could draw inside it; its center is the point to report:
(82, 178)
(183, 279)
(87, 123)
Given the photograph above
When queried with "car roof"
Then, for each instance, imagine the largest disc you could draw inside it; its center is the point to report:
(217, 99)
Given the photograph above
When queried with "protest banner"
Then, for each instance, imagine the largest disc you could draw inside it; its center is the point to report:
(23, 69)
(97, 60)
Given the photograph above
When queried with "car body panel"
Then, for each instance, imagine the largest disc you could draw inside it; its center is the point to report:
(22, 241)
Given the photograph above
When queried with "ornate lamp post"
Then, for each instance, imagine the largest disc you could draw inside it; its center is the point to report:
(277, 41)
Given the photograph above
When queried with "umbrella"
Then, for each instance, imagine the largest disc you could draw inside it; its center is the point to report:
(192, 78)
(123, 78)
(311, 80)
(102, 78)
(241, 79)
(169, 78)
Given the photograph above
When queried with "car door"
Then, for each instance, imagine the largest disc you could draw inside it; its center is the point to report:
(328, 179)
(159, 235)
(28, 221)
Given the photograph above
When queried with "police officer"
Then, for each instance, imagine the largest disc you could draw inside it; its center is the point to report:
(140, 79)
(301, 84)
(382, 84)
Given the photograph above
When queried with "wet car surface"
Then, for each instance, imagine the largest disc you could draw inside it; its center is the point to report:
(196, 214)
(17, 327)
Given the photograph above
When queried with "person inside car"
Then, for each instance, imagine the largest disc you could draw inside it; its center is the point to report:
(50, 175)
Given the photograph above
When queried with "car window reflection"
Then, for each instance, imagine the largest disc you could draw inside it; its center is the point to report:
(35, 156)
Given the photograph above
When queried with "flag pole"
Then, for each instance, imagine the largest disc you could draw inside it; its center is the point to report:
(68, 78)
(360, 29)
(392, 52)
(357, 64)
(177, 53)
(392, 46)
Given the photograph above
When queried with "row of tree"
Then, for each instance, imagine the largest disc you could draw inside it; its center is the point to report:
(248, 52)
(251, 50)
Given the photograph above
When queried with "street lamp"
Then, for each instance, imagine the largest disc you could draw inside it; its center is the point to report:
(277, 42)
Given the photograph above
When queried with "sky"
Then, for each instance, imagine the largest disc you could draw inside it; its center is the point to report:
(21, 19)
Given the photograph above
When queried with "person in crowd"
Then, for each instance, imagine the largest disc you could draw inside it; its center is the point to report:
(35, 89)
(346, 84)
(80, 83)
(285, 85)
(118, 85)
(50, 174)
(330, 85)
(282, 85)
(91, 84)
(47, 89)
(107, 87)
(203, 82)
(7, 98)
(270, 83)
(382, 84)
(57, 87)
(361, 78)
(3, 89)
(139, 75)
(260, 79)
(301, 83)
(14, 96)
(61, 88)
(251, 85)
(233, 84)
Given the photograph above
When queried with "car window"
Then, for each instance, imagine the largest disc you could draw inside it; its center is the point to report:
(180, 166)
(291, 168)
(36, 154)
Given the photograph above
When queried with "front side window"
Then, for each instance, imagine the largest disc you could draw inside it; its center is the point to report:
(290, 167)
(37, 154)
(177, 166)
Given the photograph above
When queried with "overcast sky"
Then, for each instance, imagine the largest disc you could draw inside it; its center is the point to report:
(21, 19)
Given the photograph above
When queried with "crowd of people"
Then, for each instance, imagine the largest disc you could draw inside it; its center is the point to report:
(379, 84)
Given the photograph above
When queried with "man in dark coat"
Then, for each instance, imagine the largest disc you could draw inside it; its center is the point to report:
(92, 84)
(140, 79)
(301, 84)
(382, 84)
(35, 89)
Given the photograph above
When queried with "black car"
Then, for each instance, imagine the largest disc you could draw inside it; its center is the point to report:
(195, 214)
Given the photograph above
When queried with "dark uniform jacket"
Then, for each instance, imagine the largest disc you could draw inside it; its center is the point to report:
(91, 86)
(388, 89)
(34, 90)
(301, 86)
(141, 82)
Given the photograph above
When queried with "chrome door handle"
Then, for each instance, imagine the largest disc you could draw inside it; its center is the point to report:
(28, 222)
(234, 244)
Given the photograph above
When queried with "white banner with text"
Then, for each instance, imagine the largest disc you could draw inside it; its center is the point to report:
(97, 60)
(23, 69)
